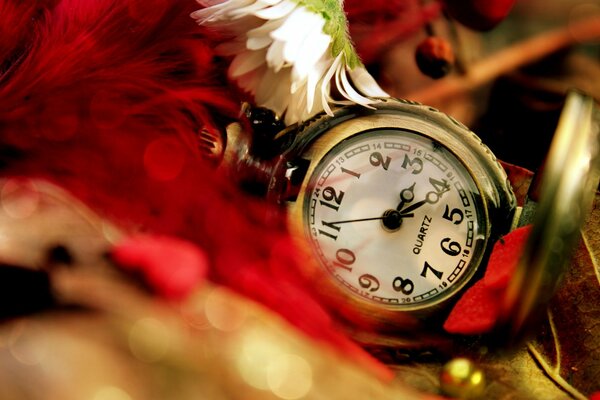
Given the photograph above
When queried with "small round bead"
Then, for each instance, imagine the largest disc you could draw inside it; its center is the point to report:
(435, 57)
(462, 379)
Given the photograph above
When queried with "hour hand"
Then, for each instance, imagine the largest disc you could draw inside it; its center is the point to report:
(431, 198)
(406, 196)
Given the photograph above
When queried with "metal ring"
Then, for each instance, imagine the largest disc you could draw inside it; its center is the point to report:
(569, 181)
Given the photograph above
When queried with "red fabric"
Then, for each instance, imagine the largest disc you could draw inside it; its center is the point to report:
(478, 309)
(504, 258)
(475, 312)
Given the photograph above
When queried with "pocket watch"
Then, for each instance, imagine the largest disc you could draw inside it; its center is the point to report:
(399, 206)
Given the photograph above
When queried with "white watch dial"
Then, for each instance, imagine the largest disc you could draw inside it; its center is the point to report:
(395, 217)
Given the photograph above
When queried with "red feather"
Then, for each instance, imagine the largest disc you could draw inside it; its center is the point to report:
(101, 81)
(108, 101)
(18, 17)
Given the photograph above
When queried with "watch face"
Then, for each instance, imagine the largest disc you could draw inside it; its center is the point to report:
(396, 218)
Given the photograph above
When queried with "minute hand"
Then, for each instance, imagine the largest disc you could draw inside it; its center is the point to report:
(431, 198)
(385, 216)
(355, 220)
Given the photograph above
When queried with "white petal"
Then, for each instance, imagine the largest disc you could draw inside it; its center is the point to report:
(349, 92)
(281, 55)
(234, 5)
(296, 111)
(266, 87)
(259, 37)
(278, 11)
(218, 11)
(296, 85)
(311, 51)
(317, 106)
(209, 3)
(230, 48)
(266, 28)
(325, 84)
(205, 15)
(313, 79)
(250, 9)
(299, 32)
(250, 81)
(364, 82)
(294, 24)
(266, 3)
(291, 50)
(275, 58)
(257, 43)
(338, 82)
(292, 33)
(245, 62)
(273, 92)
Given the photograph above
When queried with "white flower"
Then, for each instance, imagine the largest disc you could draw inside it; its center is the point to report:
(286, 53)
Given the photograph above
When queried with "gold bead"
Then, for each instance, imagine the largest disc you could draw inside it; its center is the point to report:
(462, 379)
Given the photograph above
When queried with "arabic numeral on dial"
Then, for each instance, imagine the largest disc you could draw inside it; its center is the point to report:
(376, 159)
(330, 194)
(368, 282)
(350, 172)
(344, 259)
(405, 286)
(332, 227)
(428, 267)
(450, 247)
(439, 186)
(455, 216)
(416, 164)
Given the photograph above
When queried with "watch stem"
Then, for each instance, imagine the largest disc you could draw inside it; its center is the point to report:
(265, 126)
(251, 172)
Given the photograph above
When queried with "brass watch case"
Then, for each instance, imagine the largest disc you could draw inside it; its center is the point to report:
(317, 137)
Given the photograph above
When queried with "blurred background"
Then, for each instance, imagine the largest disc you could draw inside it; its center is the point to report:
(77, 327)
